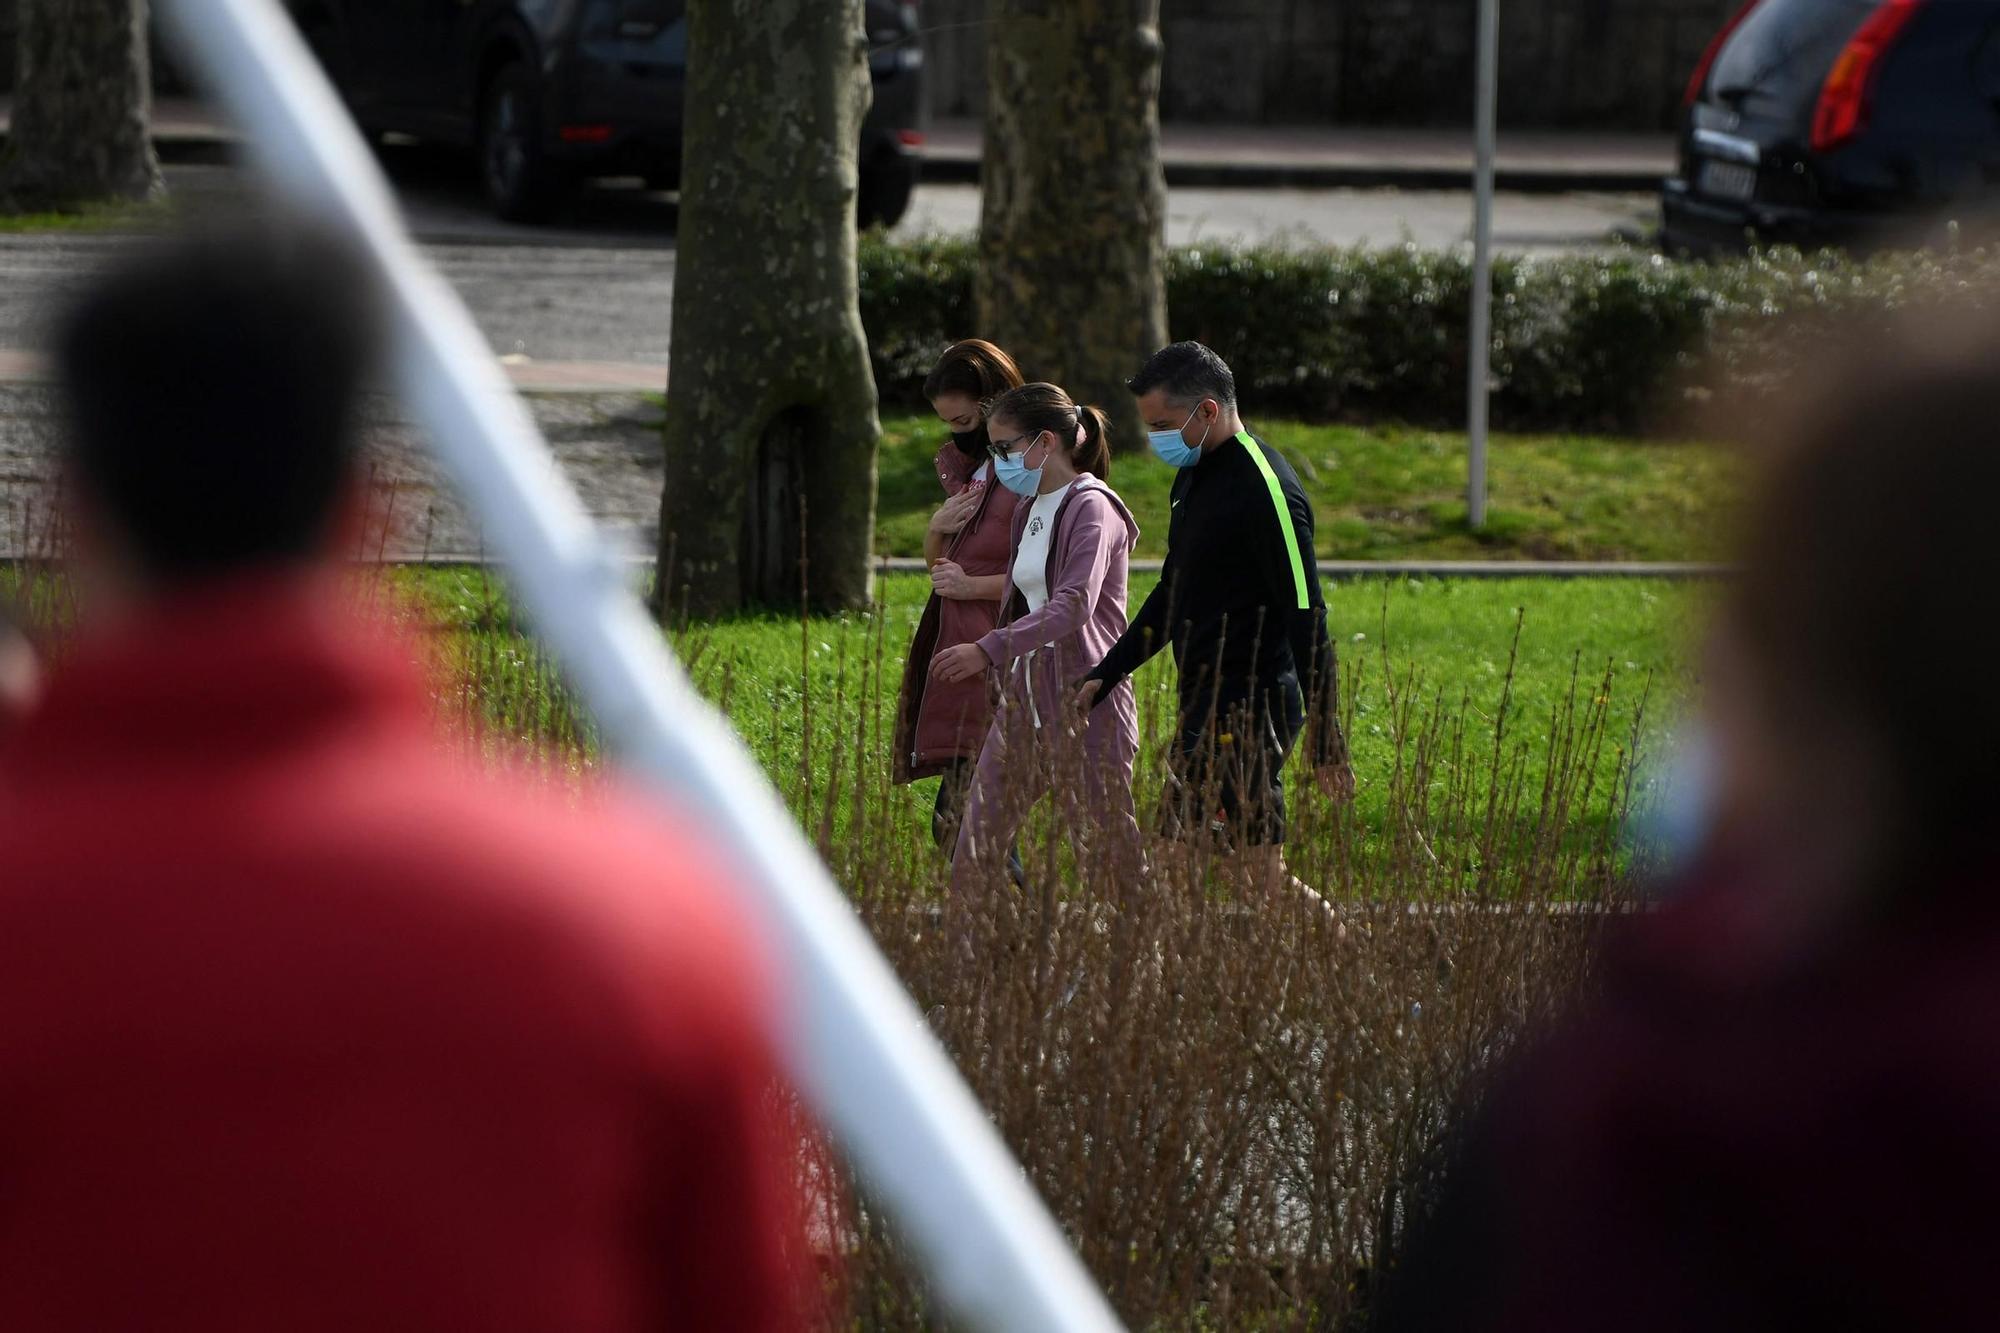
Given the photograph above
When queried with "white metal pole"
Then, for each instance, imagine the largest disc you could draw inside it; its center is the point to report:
(1480, 340)
(855, 1041)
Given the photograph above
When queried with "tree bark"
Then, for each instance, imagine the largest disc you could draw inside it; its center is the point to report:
(770, 400)
(81, 100)
(1072, 235)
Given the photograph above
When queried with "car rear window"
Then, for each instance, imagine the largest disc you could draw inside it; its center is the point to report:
(1783, 49)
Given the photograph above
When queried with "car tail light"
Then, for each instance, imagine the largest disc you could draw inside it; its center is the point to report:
(1844, 97)
(585, 134)
(910, 138)
(1699, 79)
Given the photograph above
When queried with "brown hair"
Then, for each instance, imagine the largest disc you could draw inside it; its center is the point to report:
(1868, 553)
(1044, 407)
(975, 368)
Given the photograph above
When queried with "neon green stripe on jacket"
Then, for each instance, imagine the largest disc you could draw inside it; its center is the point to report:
(1284, 518)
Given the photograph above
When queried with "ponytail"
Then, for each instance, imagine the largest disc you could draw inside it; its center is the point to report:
(1085, 431)
(1094, 454)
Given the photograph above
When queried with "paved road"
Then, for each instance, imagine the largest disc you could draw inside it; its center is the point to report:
(608, 299)
(442, 203)
(550, 305)
(599, 289)
(599, 286)
(1525, 223)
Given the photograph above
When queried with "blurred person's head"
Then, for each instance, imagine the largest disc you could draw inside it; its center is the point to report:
(970, 373)
(1187, 398)
(1849, 688)
(211, 387)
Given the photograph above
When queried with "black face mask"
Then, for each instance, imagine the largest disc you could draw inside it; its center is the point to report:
(971, 443)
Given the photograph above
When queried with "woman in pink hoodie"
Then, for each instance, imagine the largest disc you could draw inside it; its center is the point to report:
(939, 724)
(1062, 608)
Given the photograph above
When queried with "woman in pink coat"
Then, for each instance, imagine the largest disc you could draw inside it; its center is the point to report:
(939, 724)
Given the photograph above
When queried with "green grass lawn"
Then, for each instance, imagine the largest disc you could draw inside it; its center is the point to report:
(1388, 493)
(815, 699)
(1365, 1037)
(94, 218)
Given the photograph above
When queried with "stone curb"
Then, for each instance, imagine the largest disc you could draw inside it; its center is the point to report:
(1334, 571)
(1338, 571)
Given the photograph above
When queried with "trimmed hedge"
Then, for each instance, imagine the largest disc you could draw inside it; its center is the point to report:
(1589, 343)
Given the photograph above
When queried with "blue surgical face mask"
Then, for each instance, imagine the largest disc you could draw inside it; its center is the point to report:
(1172, 448)
(1017, 476)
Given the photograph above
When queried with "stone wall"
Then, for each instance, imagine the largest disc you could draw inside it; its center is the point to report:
(1596, 64)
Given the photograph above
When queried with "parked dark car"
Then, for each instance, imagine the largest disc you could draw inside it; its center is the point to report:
(549, 94)
(1839, 122)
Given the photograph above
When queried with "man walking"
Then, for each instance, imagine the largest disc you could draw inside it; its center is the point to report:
(1239, 600)
(301, 1026)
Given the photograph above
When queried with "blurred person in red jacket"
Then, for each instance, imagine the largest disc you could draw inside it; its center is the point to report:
(1778, 1108)
(301, 1026)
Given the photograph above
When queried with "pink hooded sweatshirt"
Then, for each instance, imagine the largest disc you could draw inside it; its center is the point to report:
(1090, 552)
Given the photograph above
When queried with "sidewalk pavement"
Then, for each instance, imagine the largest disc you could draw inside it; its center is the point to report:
(1344, 157)
(21, 366)
(1222, 156)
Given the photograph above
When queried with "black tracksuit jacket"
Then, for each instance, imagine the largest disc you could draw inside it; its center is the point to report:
(1239, 599)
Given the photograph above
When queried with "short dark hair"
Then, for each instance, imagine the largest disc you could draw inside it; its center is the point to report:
(1189, 372)
(211, 387)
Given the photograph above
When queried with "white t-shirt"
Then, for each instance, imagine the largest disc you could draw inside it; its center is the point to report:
(1031, 568)
(1031, 562)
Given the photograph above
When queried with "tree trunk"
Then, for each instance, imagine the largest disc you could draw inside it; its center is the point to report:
(81, 99)
(770, 400)
(1072, 235)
